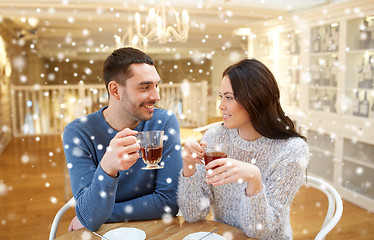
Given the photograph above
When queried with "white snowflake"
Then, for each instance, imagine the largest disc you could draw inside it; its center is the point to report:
(103, 194)
(204, 203)
(25, 158)
(167, 218)
(77, 152)
(53, 200)
(3, 189)
(129, 209)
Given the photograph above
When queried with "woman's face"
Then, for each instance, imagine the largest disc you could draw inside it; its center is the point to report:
(234, 114)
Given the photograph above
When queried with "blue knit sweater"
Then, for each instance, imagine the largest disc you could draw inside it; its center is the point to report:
(135, 194)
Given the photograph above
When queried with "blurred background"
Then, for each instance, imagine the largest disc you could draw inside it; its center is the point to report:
(51, 54)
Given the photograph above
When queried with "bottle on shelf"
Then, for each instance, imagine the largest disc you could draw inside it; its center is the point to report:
(356, 105)
(332, 38)
(370, 29)
(364, 107)
(327, 74)
(368, 72)
(364, 35)
(334, 72)
(294, 44)
(371, 115)
(360, 74)
(317, 104)
(326, 103)
(316, 73)
(326, 40)
(316, 40)
(333, 103)
(336, 38)
(295, 70)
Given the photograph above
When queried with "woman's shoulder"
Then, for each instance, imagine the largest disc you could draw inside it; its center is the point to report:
(217, 130)
(297, 148)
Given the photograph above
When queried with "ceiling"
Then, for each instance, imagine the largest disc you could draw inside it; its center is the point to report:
(85, 29)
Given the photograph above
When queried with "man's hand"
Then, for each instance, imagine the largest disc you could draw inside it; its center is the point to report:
(122, 152)
(75, 224)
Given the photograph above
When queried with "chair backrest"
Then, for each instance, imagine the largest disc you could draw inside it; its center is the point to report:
(335, 207)
(203, 129)
(56, 220)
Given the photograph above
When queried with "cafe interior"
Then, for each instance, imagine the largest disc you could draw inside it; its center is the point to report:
(321, 53)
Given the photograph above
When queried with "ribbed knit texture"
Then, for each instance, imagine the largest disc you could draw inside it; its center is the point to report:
(264, 215)
(135, 194)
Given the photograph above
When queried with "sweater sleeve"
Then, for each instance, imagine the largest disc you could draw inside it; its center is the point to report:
(91, 186)
(194, 196)
(268, 210)
(163, 201)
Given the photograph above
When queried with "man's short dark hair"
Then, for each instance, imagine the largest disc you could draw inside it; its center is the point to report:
(117, 65)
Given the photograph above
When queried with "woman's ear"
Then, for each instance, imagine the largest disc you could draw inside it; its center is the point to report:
(113, 89)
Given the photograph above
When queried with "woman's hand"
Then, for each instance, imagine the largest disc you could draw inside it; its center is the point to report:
(192, 154)
(75, 224)
(226, 170)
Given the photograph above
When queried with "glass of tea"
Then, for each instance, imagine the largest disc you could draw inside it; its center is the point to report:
(213, 152)
(151, 143)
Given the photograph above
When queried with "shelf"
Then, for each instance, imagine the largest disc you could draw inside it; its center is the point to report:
(358, 162)
(325, 54)
(360, 51)
(320, 150)
(330, 88)
(332, 65)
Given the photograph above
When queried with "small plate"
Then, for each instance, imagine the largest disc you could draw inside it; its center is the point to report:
(198, 235)
(125, 233)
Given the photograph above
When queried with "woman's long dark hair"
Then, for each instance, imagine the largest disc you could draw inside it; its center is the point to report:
(257, 90)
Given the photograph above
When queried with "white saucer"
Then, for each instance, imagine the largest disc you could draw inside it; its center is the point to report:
(125, 233)
(198, 235)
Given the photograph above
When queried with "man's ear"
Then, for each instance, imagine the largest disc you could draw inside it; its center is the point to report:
(113, 89)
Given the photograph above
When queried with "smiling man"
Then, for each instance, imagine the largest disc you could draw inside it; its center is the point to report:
(102, 152)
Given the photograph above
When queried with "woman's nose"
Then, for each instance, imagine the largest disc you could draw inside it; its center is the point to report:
(221, 105)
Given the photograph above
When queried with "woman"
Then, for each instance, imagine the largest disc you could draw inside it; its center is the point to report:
(253, 187)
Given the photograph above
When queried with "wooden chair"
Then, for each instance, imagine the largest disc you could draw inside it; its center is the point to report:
(335, 205)
(56, 220)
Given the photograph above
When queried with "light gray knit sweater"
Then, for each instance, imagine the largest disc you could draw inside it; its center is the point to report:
(264, 215)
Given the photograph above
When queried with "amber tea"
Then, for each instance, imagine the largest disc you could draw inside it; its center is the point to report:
(211, 156)
(151, 143)
(151, 154)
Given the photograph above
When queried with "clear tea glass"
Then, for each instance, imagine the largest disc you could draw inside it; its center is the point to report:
(151, 143)
(213, 152)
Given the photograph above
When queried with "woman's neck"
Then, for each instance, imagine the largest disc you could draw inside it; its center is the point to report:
(248, 133)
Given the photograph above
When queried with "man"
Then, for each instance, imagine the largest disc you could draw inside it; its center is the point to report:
(101, 149)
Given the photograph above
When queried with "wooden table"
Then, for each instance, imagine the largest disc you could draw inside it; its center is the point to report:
(187, 133)
(176, 229)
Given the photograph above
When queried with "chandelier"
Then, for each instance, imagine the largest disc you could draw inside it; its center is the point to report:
(131, 40)
(155, 27)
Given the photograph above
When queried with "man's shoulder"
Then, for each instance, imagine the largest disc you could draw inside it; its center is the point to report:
(162, 113)
(85, 121)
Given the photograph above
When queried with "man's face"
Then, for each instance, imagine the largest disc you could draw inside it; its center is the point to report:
(140, 92)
